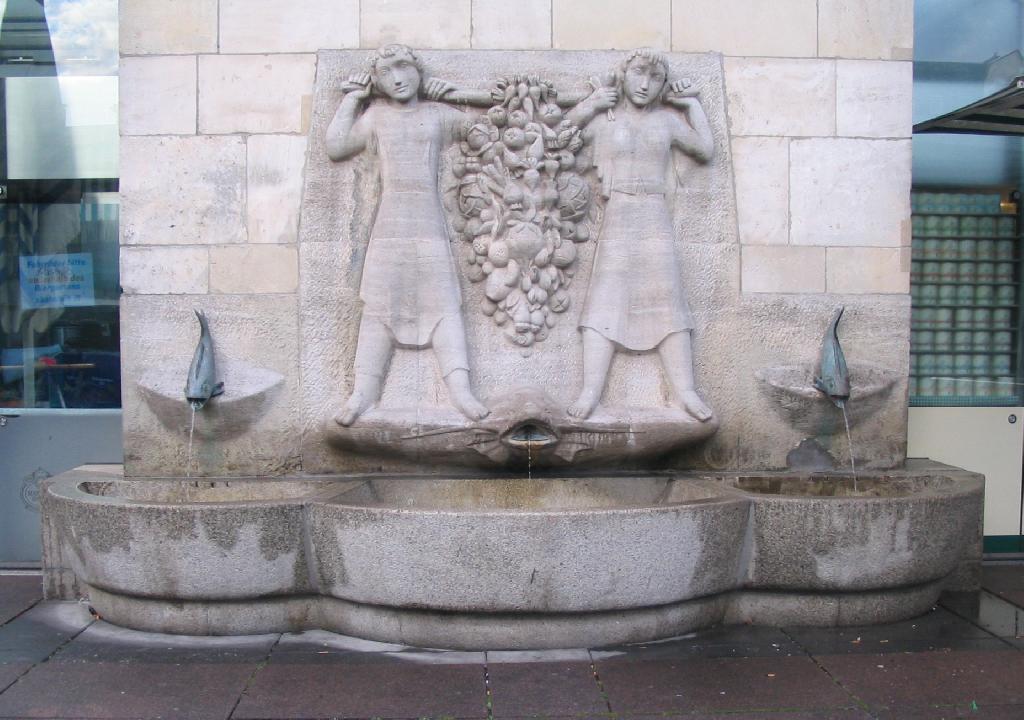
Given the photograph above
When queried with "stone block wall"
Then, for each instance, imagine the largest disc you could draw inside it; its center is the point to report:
(216, 106)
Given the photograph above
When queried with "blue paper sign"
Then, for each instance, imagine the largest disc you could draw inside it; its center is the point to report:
(50, 281)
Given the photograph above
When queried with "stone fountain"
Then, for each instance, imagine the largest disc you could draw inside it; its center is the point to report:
(527, 404)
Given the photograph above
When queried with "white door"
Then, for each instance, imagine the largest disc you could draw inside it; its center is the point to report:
(987, 440)
(36, 444)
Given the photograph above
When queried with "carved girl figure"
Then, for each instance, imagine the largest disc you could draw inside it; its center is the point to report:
(635, 300)
(409, 287)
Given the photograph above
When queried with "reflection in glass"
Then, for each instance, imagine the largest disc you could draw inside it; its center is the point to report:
(58, 300)
(59, 344)
(964, 51)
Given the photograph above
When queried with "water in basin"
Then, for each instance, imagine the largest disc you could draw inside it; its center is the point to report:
(531, 494)
(881, 486)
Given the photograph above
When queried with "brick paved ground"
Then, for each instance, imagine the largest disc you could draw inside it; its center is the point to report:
(964, 659)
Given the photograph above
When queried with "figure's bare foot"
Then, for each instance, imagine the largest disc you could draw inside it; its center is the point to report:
(365, 393)
(692, 404)
(357, 404)
(470, 406)
(462, 396)
(584, 405)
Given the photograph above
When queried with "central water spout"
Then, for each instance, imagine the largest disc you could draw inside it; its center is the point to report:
(530, 435)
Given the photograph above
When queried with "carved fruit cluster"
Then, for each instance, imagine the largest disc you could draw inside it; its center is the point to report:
(522, 206)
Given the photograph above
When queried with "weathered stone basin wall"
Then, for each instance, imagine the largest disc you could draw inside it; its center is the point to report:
(230, 205)
(511, 562)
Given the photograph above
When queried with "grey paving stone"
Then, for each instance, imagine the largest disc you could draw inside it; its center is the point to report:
(330, 685)
(104, 642)
(992, 613)
(541, 656)
(946, 712)
(544, 689)
(36, 634)
(720, 685)
(1012, 596)
(319, 640)
(736, 641)
(17, 594)
(936, 630)
(953, 678)
(355, 650)
(1002, 577)
(848, 714)
(128, 689)
(9, 672)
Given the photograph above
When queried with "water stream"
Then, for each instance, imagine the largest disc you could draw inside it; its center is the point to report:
(849, 443)
(191, 432)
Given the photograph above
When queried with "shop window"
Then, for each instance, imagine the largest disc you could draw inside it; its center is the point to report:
(59, 286)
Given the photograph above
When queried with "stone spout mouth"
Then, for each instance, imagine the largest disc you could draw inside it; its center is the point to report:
(530, 435)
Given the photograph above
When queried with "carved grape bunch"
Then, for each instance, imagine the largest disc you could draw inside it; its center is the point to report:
(522, 205)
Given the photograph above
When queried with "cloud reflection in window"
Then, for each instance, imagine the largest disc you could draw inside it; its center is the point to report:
(84, 36)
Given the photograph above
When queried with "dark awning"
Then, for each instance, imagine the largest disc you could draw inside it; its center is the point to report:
(1001, 113)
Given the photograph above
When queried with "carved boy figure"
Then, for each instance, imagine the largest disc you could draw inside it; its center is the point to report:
(635, 300)
(409, 287)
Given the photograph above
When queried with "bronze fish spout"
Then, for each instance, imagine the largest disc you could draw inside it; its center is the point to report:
(202, 381)
(833, 377)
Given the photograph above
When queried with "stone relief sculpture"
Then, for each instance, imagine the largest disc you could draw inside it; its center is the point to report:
(409, 288)
(635, 300)
(526, 180)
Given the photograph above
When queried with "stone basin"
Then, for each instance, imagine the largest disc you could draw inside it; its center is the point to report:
(171, 538)
(840, 533)
(513, 562)
(522, 545)
(793, 395)
(248, 393)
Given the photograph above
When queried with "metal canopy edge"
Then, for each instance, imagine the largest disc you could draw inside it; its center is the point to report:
(1001, 113)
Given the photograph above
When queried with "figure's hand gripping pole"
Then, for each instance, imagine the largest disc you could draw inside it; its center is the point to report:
(609, 81)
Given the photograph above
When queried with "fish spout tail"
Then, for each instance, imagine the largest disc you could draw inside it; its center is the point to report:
(833, 376)
(202, 383)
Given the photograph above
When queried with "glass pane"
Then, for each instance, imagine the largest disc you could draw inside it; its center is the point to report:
(965, 288)
(59, 344)
(61, 127)
(963, 51)
(58, 305)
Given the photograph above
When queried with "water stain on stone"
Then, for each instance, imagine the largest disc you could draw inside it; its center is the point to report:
(223, 527)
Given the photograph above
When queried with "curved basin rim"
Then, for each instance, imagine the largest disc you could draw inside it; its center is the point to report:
(723, 499)
(955, 487)
(773, 377)
(71, 489)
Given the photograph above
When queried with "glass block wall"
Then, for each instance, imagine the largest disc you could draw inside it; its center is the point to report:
(965, 284)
